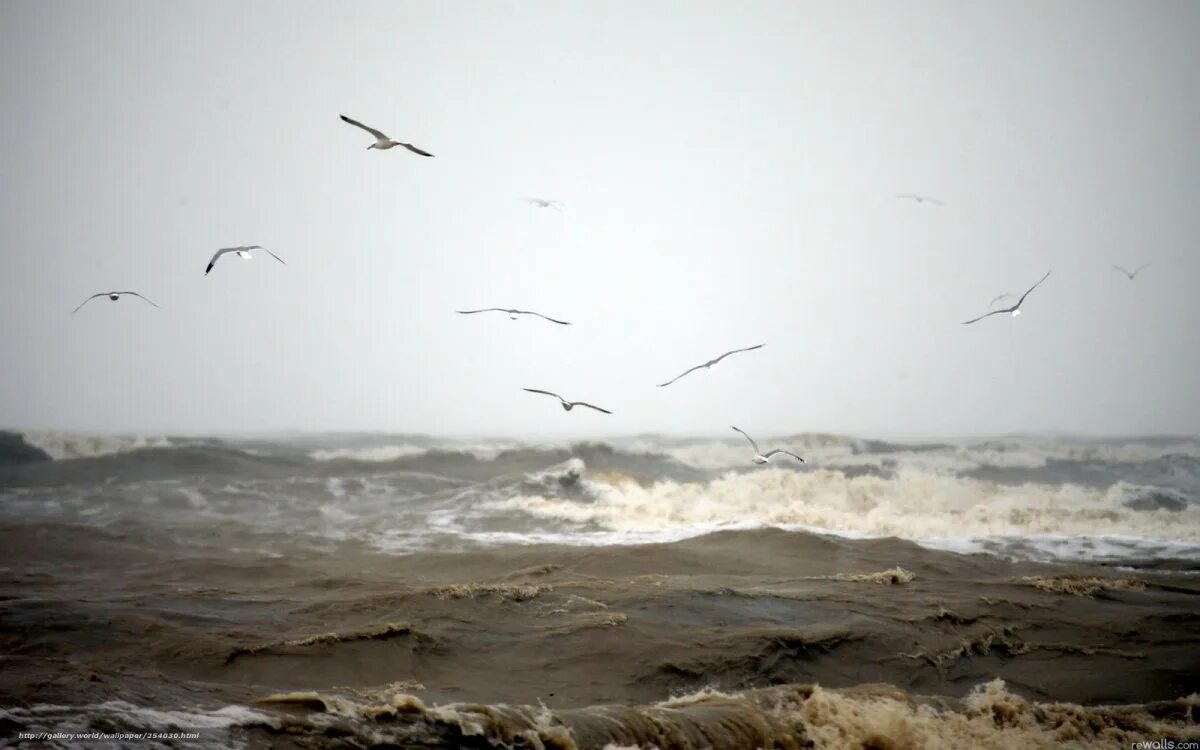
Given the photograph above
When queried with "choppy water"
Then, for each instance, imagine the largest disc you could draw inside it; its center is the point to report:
(640, 592)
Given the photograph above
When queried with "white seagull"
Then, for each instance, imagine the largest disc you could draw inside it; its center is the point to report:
(242, 252)
(114, 296)
(920, 198)
(1015, 309)
(762, 458)
(567, 405)
(544, 203)
(512, 314)
(1131, 274)
(710, 363)
(382, 142)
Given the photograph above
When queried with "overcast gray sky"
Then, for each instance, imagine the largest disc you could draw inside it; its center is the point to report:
(729, 172)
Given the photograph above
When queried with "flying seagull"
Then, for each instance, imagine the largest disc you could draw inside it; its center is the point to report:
(1015, 309)
(1131, 274)
(1001, 297)
(762, 458)
(242, 252)
(710, 363)
(543, 203)
(920, 198)
(512, 314)
(114, 296)
(567, 405)
(382, 142)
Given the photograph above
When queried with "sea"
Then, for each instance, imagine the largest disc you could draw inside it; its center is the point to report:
(391, 590)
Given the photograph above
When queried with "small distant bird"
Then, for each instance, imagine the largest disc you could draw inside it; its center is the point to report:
(543, 203)
(512, 314)
(567, 405)
(114, 296)
(382, 142)
(710, 363)
(1015, 309)
(242, 252)
(762, 458)
(920, 198)
(1131, 274)
(1001, 297)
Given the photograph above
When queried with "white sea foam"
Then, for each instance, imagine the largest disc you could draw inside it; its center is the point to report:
(930, 508)
(65, 445)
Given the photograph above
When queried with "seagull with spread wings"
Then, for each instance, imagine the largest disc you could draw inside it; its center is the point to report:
(544, 203)
(382, 142)
(242, 251)
(1131, 274)
(567, 405)
(710, 363)
(512, 314)
(762, 458)
(920, 198)
(1015, 309)
(114, 296)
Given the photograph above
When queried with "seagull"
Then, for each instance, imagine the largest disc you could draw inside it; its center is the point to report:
(567, 405)
(512, 314)
(382, 142)
(920, 198)
(242, 252)
(1001, 297)
(1131, 274)
(1015, 309)
(543, 203)
(762, 458)
(114, 296)
(710, 363)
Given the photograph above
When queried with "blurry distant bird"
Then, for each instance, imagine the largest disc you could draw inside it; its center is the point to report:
(920, 198)
(1131, 274)
(1015, 309)
(382, 142)
(543, 203)
(567, 405)
(710, 363)
(1000, 298)
(512, 314)
(114, 296)
(762, 458)
(242, 252)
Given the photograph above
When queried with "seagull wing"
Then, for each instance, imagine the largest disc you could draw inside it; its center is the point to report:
(89, 299)
(1123, 270)
(934, 201)
(135, 294)
(358, 124)
(218, 254)
(590, 406)
(547, 393)
(685, 372)
(415, 150)
(268, 252)
(544, 317)
(486, 309)
(1035, 286)
(735, 351)
(753, 444)
(777, 451)
(993, 312)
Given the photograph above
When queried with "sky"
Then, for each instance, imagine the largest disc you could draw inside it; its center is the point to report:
(729, 175)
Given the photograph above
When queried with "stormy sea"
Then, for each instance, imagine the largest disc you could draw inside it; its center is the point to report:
(357, 590)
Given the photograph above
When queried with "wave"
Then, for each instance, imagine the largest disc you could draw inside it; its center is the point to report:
(67, 445)
(788, 716)
(933, 509)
